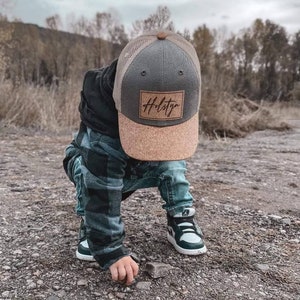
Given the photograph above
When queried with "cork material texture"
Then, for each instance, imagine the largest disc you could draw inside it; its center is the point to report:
(151, 143)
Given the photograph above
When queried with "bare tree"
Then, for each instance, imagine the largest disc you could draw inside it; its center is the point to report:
(54, 22)
(203, 40)
(78, 26)
(161, 19)
(6, 6)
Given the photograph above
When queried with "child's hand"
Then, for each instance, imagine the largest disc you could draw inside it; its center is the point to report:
(124, 270)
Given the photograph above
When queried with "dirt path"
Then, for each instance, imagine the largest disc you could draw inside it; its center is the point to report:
(247, 195)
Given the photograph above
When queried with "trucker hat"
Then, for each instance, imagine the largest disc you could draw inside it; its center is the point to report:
(157, 94)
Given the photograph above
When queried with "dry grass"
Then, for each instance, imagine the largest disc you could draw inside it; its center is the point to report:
(56, 109)
(41, 107)
(225, 115)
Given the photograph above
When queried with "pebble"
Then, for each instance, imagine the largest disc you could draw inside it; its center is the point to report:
(143, 285)
(262, 267)
(52, 297)
(120, 295)
(99, 294)
(61, 294)
(32, 285)
(172, 294)
(37, 273)
(82, 282)
(286, 221)
(111, 296)
(39, 282)
(5, 294)
(6, 268)
(275, 217)
(90, 270)
(157, 270)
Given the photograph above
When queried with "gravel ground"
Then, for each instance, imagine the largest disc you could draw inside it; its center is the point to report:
(247, 195)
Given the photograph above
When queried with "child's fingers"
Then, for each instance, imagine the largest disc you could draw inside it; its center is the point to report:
(129, 274)
(114, 273)
(135, 268)
(122, 273)
(124, 270)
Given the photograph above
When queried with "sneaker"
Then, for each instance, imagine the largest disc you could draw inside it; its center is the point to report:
(83, 251)
(184, 234)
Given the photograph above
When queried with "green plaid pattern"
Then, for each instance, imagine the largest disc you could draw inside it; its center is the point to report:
(104, 175)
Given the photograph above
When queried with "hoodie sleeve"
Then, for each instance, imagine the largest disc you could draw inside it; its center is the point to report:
(102, 172)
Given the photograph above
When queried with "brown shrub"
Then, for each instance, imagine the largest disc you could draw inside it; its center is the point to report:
(225, 115)
(41, 107)
(56, 109)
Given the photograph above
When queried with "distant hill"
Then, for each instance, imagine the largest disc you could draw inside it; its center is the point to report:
(34, 54)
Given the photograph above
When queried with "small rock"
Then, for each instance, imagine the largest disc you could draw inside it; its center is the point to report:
(5, 294)
(6, 268)
(98, 294)
(17, 252)
(37, 273)
(61, 294)
(172, 294)
(127, 289)
(60, 213)
(82, 282)
(52, 297)
(297, 241)
(157, 270)
(94, 265)
(262, 267)
(31, 285)
(120, 295)
(293, 185)
(250, 252)
(286, 221)
(275, 218)
(111, 296)
(143, 285)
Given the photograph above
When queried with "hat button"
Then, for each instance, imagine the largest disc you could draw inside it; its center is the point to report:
(161, 35)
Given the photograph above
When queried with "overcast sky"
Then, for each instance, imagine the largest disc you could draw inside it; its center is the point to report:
(232, 14)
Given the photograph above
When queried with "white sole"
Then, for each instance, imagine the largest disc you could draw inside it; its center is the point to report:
(84, 257)
(185, 251)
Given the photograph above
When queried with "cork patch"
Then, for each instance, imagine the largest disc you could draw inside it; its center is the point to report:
(161, 106)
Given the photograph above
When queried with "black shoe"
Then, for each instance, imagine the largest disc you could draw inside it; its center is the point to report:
(184, 234)
(83, 251)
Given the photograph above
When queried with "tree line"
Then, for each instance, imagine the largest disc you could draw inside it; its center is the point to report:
(260, 62)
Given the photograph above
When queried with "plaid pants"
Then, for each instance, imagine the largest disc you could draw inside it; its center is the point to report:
(103, 175)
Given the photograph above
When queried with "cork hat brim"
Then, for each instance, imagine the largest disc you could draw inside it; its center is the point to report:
(150, 143)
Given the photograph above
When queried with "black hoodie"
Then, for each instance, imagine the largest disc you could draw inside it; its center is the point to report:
(97, 107)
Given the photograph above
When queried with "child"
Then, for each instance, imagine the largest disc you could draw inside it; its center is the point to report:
(139, 121)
